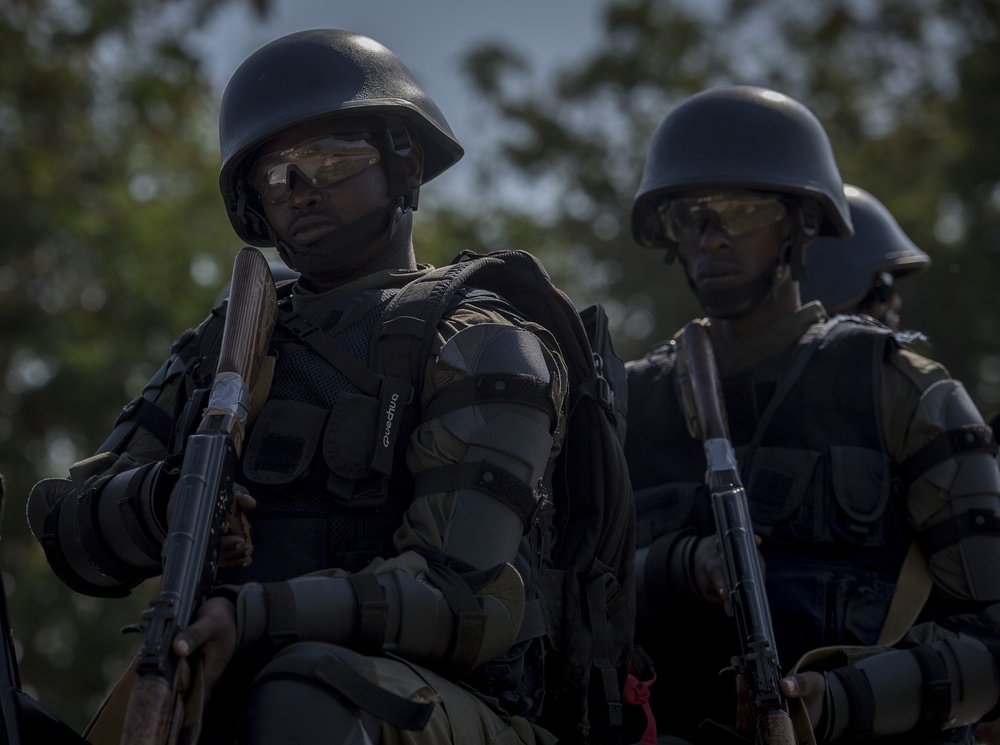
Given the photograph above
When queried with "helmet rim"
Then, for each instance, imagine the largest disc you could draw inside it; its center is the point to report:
(314, 76)
(779, 146)
(841, 270)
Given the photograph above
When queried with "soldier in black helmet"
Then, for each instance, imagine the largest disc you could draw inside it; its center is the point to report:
(373, 606)
(858, 275)
(853, 449)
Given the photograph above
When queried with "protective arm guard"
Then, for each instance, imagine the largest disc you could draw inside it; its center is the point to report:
(102, 529)
(452, 599)
(103, 538)
(394, 609)
(954, 494)
(942, 685)
(493, 407)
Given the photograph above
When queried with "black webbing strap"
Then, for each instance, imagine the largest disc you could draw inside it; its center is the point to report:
(805, 352)
(409, 324)
(352, 686)
(954, 529)
(388, 707)
(967, 439)
(935, 702)
(597, 607)
(128, 512)
(148, 415)
(394, 392)
(64, 568)
(279, 605)
(485, 477)
(373, 613)
(861, 700)
(491, 388)
(402, 345)
(470, 620)
(142, 410)
(94, 542)
(333, 352)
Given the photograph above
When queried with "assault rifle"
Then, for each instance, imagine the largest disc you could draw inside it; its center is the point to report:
(23, 721)
(192, 546)
(758, 659)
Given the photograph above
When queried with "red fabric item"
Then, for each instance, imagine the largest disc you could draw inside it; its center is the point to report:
(637, 693)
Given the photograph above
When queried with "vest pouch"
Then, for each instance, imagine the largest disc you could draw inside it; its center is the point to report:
(866, 598)
(777, 485)
(348, 449)
(283, 441)
(861, 484)
(823, 604)
(349, 439)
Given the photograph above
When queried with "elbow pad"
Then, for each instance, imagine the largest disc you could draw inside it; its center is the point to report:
(961, 463)
(946, 684)
(104, 538)
(450, 628)
(499, 412)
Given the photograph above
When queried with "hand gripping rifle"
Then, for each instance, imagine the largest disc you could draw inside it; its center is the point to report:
(758, 661)
(192, 546)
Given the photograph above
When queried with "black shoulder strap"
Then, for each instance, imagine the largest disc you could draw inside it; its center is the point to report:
(819, 333)
(405, 334)
(402, 343)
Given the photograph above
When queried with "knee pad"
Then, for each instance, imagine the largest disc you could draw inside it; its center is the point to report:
(311, 689)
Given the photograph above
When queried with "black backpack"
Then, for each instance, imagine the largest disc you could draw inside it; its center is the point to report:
(587, 592)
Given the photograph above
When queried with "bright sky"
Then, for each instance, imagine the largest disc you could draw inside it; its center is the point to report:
(429, 36)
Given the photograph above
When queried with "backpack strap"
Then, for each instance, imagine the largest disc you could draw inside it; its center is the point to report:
(790, 379)
(299, 325)
(402, 344)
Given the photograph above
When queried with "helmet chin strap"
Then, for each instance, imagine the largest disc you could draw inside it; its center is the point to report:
(325, 265)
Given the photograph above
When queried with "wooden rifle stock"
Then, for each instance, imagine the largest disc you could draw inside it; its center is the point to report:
(155, 711)
(758, 661)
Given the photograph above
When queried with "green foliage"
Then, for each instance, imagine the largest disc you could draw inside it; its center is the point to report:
(115, 238)
(904, 89)
(112, 227)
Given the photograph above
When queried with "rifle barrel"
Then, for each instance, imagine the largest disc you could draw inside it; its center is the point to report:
(747, 601)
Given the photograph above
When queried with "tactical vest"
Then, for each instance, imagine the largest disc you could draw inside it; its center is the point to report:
(808, 435)
(307, 458)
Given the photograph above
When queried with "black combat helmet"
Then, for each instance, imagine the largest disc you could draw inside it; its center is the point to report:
(841, 272)
(744, 137)
(314, 75)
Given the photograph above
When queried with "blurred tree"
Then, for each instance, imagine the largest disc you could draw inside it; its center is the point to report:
(904, 89)
(115, 241)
